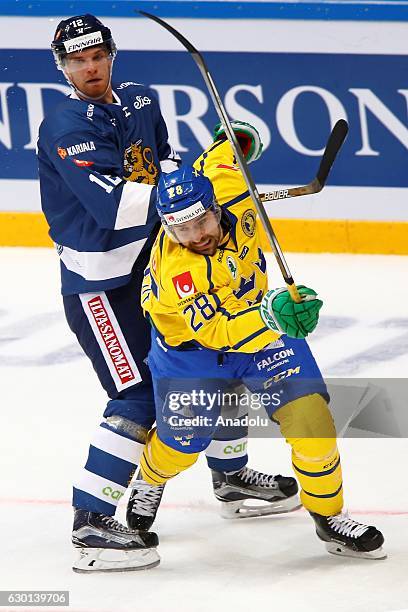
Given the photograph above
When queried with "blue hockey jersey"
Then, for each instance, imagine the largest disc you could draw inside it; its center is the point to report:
(98, 167)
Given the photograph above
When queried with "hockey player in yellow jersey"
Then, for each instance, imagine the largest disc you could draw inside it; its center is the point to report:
(214, 322)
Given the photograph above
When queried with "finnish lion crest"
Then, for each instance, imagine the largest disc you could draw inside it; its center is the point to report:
(138, 164)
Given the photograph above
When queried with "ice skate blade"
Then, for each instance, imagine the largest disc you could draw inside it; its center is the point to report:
(339, 549)
(246, 508)
(114, 560)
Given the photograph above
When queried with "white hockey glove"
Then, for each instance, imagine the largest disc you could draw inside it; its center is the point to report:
(281, 314)
(247, 136)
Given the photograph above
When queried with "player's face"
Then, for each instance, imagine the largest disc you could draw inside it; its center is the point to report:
(90, 72)
(200, 235)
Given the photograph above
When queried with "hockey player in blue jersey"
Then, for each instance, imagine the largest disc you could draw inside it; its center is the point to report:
(100, 154)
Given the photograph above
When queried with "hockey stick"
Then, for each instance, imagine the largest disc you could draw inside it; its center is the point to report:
(336, 139)
(219, 107)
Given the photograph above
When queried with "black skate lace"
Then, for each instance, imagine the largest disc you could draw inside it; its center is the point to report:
(257, 478)
(344, 525)
(114, 524)
(146, 498)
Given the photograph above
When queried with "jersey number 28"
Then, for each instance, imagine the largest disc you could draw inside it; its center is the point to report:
(199, 309)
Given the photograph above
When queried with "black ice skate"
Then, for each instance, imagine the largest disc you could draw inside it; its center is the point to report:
(346, 537)
(144, 501)
(104, 545)
(250, 493)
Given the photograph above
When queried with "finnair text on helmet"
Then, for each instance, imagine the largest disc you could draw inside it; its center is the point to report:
(82, 42)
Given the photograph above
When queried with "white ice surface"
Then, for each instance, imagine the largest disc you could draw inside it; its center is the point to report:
(51, 402)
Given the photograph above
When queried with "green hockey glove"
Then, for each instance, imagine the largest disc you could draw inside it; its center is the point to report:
(247, 136)
(281, 314)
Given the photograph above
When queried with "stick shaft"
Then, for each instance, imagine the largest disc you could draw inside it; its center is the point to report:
(219, 107)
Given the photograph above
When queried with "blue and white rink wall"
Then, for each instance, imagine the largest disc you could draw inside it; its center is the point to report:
(292, 69)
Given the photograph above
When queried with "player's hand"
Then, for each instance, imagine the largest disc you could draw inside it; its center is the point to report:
(247, 136)
(281, 314)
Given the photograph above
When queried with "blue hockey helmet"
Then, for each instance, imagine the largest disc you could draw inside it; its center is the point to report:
(184, 195)
(78, 33)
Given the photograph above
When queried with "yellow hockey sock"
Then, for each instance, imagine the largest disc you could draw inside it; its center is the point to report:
(308, 427)
(160, 462)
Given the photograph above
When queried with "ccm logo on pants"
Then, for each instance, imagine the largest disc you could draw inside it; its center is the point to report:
(111, 340)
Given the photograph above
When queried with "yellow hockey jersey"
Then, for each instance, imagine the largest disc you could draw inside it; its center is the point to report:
(212, 301)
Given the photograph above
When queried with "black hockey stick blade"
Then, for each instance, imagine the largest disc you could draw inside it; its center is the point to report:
(336, 139)
(334, 143)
